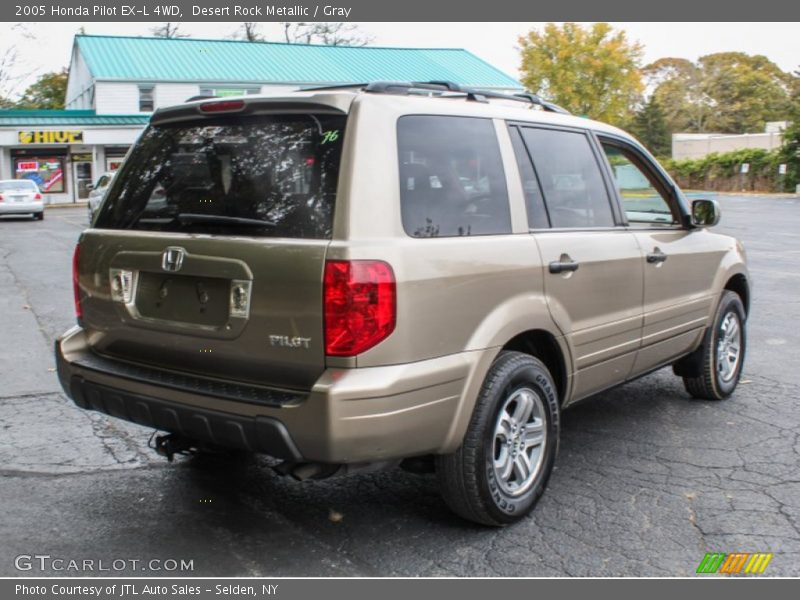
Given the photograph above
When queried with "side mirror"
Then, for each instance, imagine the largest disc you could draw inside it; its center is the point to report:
(705, 213)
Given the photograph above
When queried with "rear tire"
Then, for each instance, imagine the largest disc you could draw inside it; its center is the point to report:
(722, 352)
(39, 216)
(502, 467)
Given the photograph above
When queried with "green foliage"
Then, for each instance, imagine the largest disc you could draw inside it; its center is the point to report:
(726, 92)
(723, 171)
(790, 150)
(650, 126)
(49, 91)
(591, 71)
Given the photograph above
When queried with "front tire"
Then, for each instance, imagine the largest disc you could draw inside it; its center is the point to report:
(722, 352)
(502, 467)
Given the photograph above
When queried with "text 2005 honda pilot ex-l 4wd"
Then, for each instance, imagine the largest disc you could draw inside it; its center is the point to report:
(355, 277)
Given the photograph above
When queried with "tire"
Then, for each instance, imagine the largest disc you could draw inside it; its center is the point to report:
(39, 216)
(470, 483)
(715, 381)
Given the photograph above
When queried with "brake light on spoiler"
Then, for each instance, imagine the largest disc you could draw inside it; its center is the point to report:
(222, 106)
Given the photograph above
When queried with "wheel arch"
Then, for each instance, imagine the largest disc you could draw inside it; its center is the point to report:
(547, 345)
(738, 284)
(543, 345)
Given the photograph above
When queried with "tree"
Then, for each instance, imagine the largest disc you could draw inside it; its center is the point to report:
(168, 30)
(650, 126)
(8, 60)
(590, 71)
(250, 32)
(678, 87)
(790, 150)
(726, 92)
(747, 90)
(329, 34)
(49, 91)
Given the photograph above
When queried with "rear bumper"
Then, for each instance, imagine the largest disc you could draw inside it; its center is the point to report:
(349, 416)
(20, 208)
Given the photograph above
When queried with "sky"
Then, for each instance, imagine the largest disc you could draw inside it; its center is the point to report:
(46, 46)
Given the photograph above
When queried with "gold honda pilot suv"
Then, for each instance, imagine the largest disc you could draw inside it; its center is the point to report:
(394, 273)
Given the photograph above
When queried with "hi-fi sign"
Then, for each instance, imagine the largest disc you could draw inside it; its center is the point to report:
(50, 137)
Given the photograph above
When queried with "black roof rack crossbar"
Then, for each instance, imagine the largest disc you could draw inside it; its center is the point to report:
(338, 86)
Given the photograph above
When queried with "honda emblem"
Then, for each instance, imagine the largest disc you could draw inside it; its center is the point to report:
(172, 259)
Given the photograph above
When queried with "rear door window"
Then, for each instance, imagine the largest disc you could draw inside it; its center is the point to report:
(452, 181)
(570, 176)
(270, 176)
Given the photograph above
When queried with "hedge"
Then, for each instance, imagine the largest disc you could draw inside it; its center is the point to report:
(722, 172)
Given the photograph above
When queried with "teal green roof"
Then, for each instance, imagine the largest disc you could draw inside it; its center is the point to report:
(229, 61)
(67, 118)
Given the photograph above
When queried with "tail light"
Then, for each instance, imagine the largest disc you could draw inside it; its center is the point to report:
(38, 197)
(76, 290)
(360, 302)
(1, 198)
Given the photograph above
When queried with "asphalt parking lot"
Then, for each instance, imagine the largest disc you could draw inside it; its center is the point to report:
(646, 483)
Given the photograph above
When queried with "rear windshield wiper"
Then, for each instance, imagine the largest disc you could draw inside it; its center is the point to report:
(188, 218)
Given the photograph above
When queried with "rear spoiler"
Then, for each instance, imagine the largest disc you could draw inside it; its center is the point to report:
(256, 104)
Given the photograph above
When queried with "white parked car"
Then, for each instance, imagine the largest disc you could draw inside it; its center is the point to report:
(98, 192)
(21, 197)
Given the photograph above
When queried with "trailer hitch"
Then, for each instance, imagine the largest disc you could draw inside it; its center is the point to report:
(171, 444)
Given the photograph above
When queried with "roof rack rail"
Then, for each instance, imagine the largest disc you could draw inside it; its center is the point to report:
(535, 99)
(338, 86)
(441, 87)
(477, 95)
(407, 87)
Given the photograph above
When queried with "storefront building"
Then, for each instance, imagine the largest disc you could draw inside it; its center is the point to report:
(116, 82)
(64, 151)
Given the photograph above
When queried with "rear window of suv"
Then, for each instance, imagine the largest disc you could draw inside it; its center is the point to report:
(269, 175)
(452, 181)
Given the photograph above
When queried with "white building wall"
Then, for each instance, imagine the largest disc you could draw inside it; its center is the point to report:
(116, 98)
(122, 98)
(688, 145)
(80, 86)
(168, 94)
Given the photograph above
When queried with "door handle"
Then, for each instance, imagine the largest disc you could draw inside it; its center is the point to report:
(656, 257)
(562, 266)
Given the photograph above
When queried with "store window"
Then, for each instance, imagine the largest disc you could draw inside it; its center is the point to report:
(146, 103)
(46, 171)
